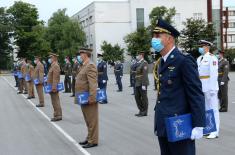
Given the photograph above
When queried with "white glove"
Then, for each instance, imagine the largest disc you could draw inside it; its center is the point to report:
(104, 81)
(70, 77)
(221, 83)
(120, 76)
(197, 133)
(143, 87)
(212, 93)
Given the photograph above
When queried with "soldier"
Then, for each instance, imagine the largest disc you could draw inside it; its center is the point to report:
(208, 73)
(132, 74)
(23, 71)
(102, 73)
(223, 82)
(30, 85)
(76, 66)
(86, 81)
(141, 84)
(179, 91)
(15, 69)
(67, 78)
(118, 69)
(20, 79)
(54, 79)
(39, 74)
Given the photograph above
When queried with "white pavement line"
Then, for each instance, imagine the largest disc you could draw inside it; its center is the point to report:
(71, 139)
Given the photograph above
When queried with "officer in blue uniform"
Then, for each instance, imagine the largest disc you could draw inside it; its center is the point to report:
(180, 90)
(102, 74)
(118, 70)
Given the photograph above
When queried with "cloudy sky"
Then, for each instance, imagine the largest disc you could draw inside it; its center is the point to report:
(47, 7)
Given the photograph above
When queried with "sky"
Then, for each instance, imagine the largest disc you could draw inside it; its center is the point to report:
(47, 7)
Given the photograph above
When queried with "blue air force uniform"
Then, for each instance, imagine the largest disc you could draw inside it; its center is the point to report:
(180, 92)
(118, 69)
(102, 75)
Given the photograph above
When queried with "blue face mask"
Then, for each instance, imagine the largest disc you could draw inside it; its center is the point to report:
(49, 61)
(79, 59)
(201, 50)
(157, 44)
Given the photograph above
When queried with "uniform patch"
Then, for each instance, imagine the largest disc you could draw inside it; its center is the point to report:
(214, 63)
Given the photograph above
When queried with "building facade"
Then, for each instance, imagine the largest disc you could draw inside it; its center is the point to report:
(230, 30)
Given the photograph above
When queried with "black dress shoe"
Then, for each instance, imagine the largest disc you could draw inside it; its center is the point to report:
(55, 119)
(89, 145)
(29, 98)
(137, 114)
(142, 115)
(223, 110)
(19, 93)
(83, 143)
(72, 95)
(25, 93)
(39, 105)
(119, 90)
(33, 97)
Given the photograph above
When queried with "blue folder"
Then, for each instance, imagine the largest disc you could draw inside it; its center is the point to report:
(20, 75)
(45, 79)
(178, 127)
(15, 73)
(82, 98)
(210, 122)
(36, 81)
(27, 77)
(48, 87)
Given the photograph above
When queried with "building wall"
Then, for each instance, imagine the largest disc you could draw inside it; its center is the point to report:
(231, 29)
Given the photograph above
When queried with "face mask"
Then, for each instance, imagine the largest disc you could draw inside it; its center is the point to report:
(157, 44)
(49, 61)
(79, 59)
(201, 50)
(217, 56)
(35, 62)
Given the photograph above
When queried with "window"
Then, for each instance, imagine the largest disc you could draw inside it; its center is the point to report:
(140, 17)
(177, 19)
(90, 19)
(231, 25)
(231, 13)
(231, 38)
(197, 15)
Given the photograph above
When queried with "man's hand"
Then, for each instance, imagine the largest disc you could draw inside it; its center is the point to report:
(54, 90)
(221, 83)
(90, 101)
(144, 88)
(197, 133)
(104, 81)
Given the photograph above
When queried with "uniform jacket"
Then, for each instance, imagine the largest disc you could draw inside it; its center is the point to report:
(86, 80)
(30, 70)
(102, 71)
(141, 78)
(39, 72)
(208, 72)
(180, 91)
(68, 69)
(75, 69)
(118, 69)
(54, 75)
(23, 70)
(223, 70)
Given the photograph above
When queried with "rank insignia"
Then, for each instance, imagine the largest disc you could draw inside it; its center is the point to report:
(214, 63)
(171, 68)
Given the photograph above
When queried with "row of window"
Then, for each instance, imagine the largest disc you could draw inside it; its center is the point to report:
(230, 38)
(177, 18)
(86, 22)
(231, 13)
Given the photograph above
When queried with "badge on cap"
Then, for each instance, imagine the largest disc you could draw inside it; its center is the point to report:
(169, 82)
(171, 68)
(172, 56)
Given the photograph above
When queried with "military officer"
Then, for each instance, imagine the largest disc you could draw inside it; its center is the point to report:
(54, 79)
(15, 69)
(208, 73)
(223, 82)
(141, 84)
(86, 81)
(76, 66)
(118, 69)
(102, 74)
(20, 79)
(39, 74)
(30, 84)
(132, 74)
(180, 90)
(67, 78)
(23, 71)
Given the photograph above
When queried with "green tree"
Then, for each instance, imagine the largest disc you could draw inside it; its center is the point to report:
(5, 43)
(65, 35)
(24, 17)
(195, 30)
(112, 53)
(230, 55)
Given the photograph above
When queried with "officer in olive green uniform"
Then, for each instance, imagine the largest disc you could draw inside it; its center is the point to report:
(30, 85)
(75, 69)
(141, 83)
(223, 70)
(54, 79)
(68, 73)
(86, 81)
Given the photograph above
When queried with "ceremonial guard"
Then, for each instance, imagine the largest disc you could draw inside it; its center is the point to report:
(102, 73)
(223, 82)
(86, 81)
(208, 73)
(141, 84)
(118, 70)
(180, 91)
(54, 79)
(39, 75)
(75, 69)
(67, 78)
(30, 84)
